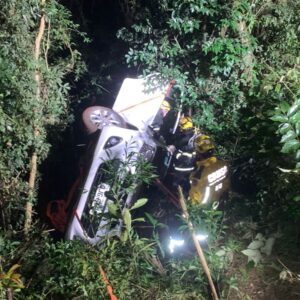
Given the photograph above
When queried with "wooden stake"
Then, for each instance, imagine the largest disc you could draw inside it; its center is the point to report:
(197, 244)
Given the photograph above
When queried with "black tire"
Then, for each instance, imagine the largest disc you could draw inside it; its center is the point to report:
(96, 117)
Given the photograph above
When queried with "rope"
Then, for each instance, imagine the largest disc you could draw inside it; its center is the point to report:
(170, 195)
(150, 99)
(140, 103)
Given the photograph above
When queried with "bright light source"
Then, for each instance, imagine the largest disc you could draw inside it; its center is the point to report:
(173, 243)
(201, 237)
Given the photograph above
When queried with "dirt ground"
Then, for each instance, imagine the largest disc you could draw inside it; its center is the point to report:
(263, 282)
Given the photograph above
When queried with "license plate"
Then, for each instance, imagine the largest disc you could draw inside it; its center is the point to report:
(99, 199)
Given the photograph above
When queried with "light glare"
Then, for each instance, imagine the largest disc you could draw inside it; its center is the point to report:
(173, 243)
(201, 237)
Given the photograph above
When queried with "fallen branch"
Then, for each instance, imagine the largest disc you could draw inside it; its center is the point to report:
(197, 244)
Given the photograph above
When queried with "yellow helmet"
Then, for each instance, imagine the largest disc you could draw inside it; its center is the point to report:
(165, 107)
(203, 143)
(185, 123)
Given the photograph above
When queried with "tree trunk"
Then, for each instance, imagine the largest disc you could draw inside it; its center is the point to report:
(34, 157)
(244, 36)
(9, 294)
(248, 58)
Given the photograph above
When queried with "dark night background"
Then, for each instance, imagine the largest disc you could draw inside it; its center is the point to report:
(106, 69)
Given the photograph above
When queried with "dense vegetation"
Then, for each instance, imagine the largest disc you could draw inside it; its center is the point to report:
(238, 66)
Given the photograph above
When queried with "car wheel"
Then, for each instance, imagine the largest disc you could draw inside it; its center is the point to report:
(97, 117)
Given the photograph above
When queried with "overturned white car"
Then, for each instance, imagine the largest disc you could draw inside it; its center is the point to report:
(121, 137)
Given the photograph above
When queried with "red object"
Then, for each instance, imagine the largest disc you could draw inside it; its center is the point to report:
(56, 212)
(108, 286)
(172, 83)
(57, 209)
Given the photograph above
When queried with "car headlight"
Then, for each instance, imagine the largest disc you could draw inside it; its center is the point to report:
(112, 141)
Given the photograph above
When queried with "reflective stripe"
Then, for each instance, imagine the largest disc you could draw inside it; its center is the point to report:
(206, 195)
(184, 169)
(215, 205)
(187, 154)
(219, 179)
(178, 155)
(191, 141)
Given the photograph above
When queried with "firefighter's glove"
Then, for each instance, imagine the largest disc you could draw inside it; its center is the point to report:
(171, 149)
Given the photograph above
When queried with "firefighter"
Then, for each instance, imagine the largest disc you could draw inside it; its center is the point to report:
(209, 180)
(184, 153)
(159, 119)
(165, 107)
(185, 135)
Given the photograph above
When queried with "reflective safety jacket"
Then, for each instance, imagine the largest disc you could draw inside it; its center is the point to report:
(185, 156)
(184, 162)
(209, 181)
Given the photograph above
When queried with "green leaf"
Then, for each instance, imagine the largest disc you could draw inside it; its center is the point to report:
(297, 128)
(297, 198)
(139, 203)
(259, 237)
(267, 88)
(298, 155)
(124, 236)
(284, 106)
(267, 248)
(253, 255)
(288, 136)
(138, 220)
(255, 245)
(283, 128)
(152, 220)
(290, 145)
(295, 118)
(277, 87)
(279, 118)
(127, 219)
(294, 108)
(112, 208)
(12, 270)
(221, 252)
